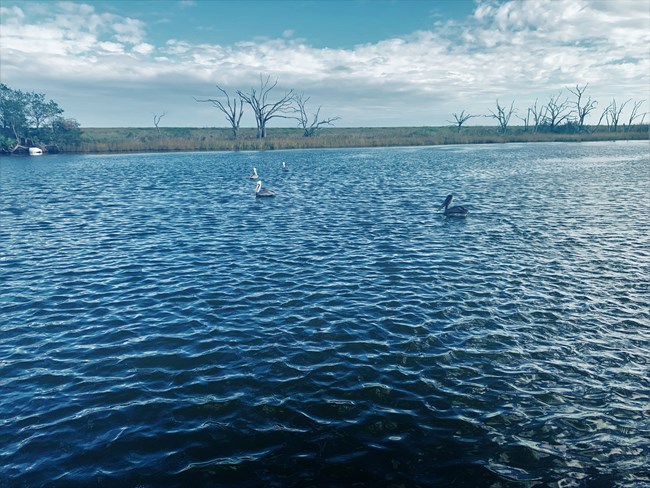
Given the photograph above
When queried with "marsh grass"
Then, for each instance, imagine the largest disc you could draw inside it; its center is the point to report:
(114, 140)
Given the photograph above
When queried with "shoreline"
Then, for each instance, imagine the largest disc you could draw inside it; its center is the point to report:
(186, 139)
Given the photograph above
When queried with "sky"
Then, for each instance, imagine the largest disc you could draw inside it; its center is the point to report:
(373, 63)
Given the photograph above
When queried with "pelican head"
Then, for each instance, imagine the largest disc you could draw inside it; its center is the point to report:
(258, 187)
(446, 202)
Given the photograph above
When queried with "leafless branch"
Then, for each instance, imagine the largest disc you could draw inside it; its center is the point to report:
(557, 112)
(635, 115)
(582, 109)
(460, 119)
(156, 120)
(310, 128)
(613, 114)
(503, 115)
(265, 110)
(525, 120)
(233, 109)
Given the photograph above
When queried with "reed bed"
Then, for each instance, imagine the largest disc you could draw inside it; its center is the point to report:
(117, 140)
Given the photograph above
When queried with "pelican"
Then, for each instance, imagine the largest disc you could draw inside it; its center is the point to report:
(254, 174)
(456, 211)
(263, 193)
(284, 166)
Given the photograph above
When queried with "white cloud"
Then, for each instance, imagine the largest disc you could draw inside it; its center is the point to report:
(111, 47)
(519, 49)
(128, 30)
(555, 23)
(143, 48)
(72, 29)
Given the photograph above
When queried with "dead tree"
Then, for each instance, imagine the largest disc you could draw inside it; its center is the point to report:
(156, 120)
(538, 115)
(460, 119)
(525, 120)
(310, 128)
(613, 115)
(557, 112)
(602, 116)
(582, 109)
(634, 115)
(503, 116)
(265, 110)
(233, 110)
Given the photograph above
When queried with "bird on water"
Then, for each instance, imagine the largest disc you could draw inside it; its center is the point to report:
(263, 193)
(284, 166)
(254, 174)
(455, 211)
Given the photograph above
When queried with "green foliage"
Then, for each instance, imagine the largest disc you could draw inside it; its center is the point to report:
(6, 144)
(13, 116)
(65, 132)
(28, 119)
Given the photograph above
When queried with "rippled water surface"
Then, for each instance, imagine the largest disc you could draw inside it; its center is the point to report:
(162, 326)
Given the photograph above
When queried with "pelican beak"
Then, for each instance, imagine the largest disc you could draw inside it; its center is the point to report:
(446, 202)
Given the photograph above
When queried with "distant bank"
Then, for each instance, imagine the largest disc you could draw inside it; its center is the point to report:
(116, 140)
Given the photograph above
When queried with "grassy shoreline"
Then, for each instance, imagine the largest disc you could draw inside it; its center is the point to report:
(124, 140)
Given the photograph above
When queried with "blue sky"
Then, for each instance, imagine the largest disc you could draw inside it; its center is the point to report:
(333, 23)
(370, 62)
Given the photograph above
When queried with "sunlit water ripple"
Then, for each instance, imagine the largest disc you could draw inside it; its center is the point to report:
(162, 326)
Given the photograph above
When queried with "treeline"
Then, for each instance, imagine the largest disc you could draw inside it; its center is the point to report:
(564, 115)
(27, 120)
(107, 140)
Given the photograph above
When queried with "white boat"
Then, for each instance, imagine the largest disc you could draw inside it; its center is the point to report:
(35, 151)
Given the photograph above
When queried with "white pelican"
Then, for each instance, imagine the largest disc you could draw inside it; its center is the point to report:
(263, 193)
(254, 174)
(456, 211)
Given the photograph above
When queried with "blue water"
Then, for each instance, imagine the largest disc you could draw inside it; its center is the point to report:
(160, 326)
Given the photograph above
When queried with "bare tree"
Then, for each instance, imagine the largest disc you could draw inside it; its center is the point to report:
(538, 116)
(602, 116)
(503, 115)
(613, 114)
(557, 112)
(156, 120)
(634, 115)
(525, 120)
(460, 119)
(233, 109)
(310, 128)
(265, 110)
(582, 109)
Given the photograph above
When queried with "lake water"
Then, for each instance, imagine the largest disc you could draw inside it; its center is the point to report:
(160, 326)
